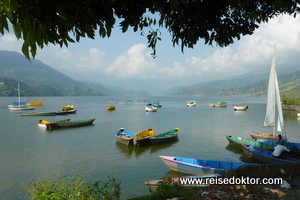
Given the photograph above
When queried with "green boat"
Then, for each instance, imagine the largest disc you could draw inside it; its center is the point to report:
(165, 137)
(234, 140)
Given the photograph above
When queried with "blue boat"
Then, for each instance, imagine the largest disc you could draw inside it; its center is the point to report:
(265, 155)
(293, 146)
(199, 166)
(125, 137)
(165, 137)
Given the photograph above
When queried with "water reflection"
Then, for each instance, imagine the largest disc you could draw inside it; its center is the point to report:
(127, 151)
(159, 147)
(172, 173)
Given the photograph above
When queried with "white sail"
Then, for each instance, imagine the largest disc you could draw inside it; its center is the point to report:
(274, 101)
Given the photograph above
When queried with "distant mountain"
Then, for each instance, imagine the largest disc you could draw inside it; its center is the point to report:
(44, 80)
(249, 84)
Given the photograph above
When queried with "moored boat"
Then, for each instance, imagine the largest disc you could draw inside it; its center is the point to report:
(19, 105)
(191, 103)
(274, 115)
(71, 123)
(44, 123)
(150, 109)
(35, 103)
(143, 137)
(294, 147)
(37, 113)
(66, 112)
(234, 140)
(199, 166)
(124, 136)
(240, 108)
(218, 104)
(111, 107)
(67, 108)
(165, 137)
(265, 155)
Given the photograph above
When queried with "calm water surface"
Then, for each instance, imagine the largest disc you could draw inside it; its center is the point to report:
(28, 151)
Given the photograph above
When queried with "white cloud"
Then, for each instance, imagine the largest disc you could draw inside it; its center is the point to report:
(136, 62)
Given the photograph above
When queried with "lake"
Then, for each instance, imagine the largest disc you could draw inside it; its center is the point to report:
(29, 151)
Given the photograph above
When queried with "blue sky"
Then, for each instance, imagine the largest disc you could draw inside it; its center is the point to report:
(124, 57)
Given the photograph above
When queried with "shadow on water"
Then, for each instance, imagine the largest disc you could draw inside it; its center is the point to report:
(243, 157)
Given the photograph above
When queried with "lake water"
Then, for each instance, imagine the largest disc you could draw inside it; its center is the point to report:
(29, 151)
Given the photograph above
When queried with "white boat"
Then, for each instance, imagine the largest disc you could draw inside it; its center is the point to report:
(191, 103)
(150, 108)
(19, 105)
(273, 102)
(298, 113)
(240, 108)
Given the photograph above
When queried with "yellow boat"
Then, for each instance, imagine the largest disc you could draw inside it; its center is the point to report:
(67, 108)
(143, 137)
(35, 103)
(111, 107)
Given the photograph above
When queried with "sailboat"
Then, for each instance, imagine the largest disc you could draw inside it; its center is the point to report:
(273, 102)
(17, 106)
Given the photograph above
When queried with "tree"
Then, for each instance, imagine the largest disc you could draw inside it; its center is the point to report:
(219, 22)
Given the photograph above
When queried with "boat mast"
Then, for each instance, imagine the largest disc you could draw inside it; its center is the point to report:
(19, 96)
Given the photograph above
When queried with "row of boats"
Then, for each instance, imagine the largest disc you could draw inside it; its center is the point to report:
(145, 137)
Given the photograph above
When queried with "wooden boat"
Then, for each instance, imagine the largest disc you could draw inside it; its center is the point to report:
(126, 102)
(143, 137)
(240, 108)
(154, 103)
(67, 108)
(37, 113)
(265, 155)
(165, 137)
(150, 109)
(70, 123)
(43, 123)
(294, 147)
(111, 107)
(218, 104)
(35, 103)
(191, 103)
(65, 112)
(125, 137)
(234, 140)
(273, 107)
(20, 105)
(199, 166)
(194, 180)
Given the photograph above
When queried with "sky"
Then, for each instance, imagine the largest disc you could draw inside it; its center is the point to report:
(125, 56)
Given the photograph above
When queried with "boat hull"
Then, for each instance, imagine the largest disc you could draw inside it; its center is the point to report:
(199, 166)
(265, 136)
(143, 138)
(37, 113)
(166, 137)
(125, 137)
(233, 140)
(265, 155)
(65, 112)
(73, 123)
